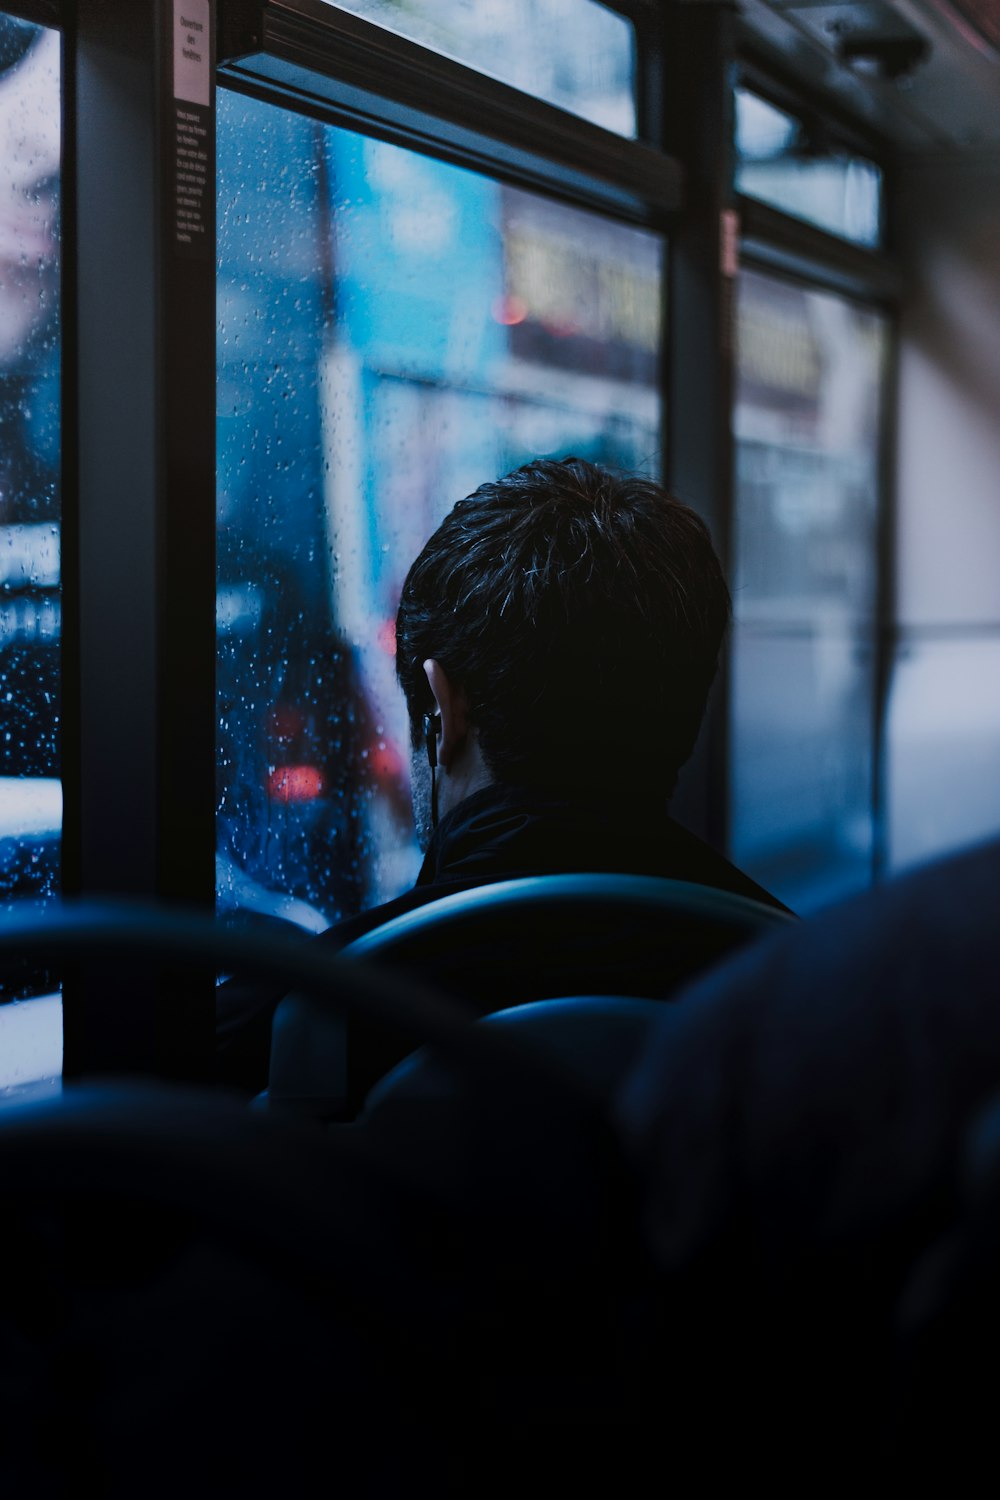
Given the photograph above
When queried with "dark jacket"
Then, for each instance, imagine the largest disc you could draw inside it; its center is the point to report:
(499, 833)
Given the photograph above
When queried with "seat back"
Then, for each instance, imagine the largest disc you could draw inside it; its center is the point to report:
(545, 936)
(596, 1037)
(507, 944)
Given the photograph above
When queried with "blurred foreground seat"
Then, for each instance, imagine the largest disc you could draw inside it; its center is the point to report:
(200, 1299)
(505, 944)
(779, 1267)
(204, 1298)
(803, 1128)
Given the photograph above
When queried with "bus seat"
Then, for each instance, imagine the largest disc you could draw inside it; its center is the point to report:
(196, 1289)
(508, 943)
(256, 1300)
(596, 1037)
(947, 1322)
(549, 935)
(813, 1133)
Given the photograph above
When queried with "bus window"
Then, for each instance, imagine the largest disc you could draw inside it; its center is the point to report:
(943, 746)
(572, 53)
(807, 428)
(779, 162)
(30, 788)
(392, 332)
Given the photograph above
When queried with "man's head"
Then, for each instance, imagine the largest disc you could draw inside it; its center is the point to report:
(575, 616)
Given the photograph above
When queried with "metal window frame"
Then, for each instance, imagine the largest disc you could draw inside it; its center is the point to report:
(675, 178)
(138, 375)
(138, 441)
(780, 244)
(347, 71)
(778, 241)
(815, 109)
(42, 12)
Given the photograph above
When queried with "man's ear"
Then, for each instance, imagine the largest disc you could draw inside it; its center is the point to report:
(451, 706)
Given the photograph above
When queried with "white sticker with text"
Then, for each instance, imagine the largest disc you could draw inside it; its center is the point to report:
(193, 50)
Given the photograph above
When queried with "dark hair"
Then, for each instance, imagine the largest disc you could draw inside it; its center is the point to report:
(573, 607)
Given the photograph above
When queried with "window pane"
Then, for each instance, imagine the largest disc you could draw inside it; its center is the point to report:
(573, 53)
(801, 798)
(30, 789)
(779, 163)
(393, 331)
(807, 427)
(943, 747)
(807, 422)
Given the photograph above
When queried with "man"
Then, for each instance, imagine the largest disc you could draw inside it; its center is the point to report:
(556, 641)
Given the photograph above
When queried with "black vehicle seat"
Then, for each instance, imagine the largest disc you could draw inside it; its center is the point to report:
(503, 945)
(257, 1301)
(595, 1037)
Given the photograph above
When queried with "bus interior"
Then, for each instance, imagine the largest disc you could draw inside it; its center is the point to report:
(280, 282)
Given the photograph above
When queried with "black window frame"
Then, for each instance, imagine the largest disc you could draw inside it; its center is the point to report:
(674, 178)
(779, 244)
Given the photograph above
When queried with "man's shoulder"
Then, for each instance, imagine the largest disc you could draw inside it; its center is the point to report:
(680, 855)
(694, 860)
(519, 838)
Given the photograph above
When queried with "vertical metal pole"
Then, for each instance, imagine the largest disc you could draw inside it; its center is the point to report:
(697, 128)
(139, 462)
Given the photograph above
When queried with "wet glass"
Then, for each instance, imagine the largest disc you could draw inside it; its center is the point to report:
(30, 788)
(778, 162)
(943, 746)
(807, 423)
(801, 781)
(572, 53)
(393, 331)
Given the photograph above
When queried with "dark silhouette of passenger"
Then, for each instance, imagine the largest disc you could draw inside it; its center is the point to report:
(556, 642)
(817, 1132)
